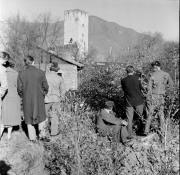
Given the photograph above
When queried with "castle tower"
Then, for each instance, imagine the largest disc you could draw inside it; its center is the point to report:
(76, 29)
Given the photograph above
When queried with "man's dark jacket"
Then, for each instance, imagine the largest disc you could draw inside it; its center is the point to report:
(32, 86)
(132, 87)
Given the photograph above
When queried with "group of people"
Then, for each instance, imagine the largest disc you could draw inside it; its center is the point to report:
(38, 91)
(41, 92)
(135, 102)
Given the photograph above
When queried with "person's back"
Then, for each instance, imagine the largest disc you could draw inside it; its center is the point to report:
(3, 78)
(32, 87)
(54, 82)
(53, 97)
(12, 83)
(132, 89)
(158, 83)
(32, 81)
(11, 108)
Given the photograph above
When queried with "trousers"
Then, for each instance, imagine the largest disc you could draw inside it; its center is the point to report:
(130, 114)
(155, 103)
(51, 112)
(32, 131)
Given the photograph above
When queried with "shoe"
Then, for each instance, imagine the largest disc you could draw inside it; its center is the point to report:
(44, 139)
(33, 141)
(127, 142)
(130, 137)
(145, 134)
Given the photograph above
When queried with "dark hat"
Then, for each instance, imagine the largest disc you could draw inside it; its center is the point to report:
(156, 63)
(54, 67)
(109, 104)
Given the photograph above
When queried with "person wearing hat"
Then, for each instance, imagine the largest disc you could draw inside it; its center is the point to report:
(159, 81)
(55, 94)
(3, 85)
(109, 125)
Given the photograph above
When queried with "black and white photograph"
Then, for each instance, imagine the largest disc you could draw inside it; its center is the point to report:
(89, 87)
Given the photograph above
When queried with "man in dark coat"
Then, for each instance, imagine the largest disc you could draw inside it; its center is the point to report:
(32, 87)
(132, 88)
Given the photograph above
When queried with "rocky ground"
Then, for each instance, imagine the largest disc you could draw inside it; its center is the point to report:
(18, 156)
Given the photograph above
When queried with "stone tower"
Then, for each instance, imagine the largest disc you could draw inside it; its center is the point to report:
(76, 29)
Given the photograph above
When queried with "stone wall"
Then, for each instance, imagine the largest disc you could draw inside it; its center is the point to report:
(69, 71)
(76, 27)
(69, 74)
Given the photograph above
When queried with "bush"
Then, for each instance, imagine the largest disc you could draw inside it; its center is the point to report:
(79, 150)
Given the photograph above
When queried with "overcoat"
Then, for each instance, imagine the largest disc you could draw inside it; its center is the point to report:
(32, 87)
(11, 115)
(56, 87)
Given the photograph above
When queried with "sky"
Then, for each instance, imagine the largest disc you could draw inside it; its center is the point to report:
(147, 16)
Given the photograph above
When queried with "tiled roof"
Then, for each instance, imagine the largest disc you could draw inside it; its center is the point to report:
(67, 59)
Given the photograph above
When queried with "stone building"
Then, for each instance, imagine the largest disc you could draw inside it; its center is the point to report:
(76, 29)
(67, 64)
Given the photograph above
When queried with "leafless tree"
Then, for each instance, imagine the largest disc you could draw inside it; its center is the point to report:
(23, 36)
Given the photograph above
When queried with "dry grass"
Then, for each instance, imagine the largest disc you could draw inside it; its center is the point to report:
(22, 156)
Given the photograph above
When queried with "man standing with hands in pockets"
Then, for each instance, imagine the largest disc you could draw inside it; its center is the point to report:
(32, 87)
(134, 98)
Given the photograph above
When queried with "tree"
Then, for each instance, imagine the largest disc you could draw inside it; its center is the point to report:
(24, 36)
(170, 59)
(147, 49)
(91, 56)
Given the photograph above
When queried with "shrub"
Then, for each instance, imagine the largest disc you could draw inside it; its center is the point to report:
(79, 150)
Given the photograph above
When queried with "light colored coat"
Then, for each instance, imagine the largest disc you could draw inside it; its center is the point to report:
(3, 80)
(56, 87)
(11, 115)
(159, 80)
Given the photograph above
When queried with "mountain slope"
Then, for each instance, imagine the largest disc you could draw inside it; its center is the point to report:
(104, 35)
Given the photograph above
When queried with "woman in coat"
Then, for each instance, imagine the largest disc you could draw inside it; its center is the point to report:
(11, 115)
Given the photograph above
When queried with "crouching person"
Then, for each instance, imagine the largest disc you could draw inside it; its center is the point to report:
(109, 125)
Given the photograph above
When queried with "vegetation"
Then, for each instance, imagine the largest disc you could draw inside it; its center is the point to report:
(78, 149)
